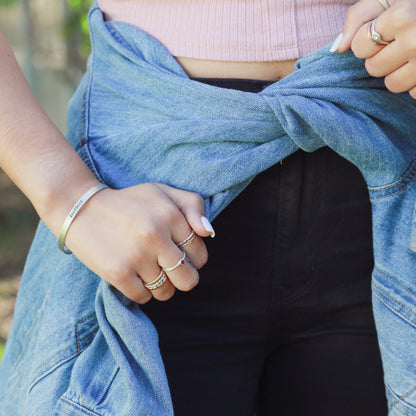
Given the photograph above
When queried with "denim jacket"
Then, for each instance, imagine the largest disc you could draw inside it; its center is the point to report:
(79, 347)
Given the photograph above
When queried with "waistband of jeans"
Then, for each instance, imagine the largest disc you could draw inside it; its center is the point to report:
(246, 85)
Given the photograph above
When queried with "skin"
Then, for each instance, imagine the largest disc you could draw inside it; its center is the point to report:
(125, 236)
(395, 61)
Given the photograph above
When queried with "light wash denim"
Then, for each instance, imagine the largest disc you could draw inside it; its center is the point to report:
(77, 346)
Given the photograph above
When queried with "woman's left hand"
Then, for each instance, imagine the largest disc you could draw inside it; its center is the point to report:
(395, 61)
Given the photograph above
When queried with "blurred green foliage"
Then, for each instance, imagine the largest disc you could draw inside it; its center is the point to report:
(76, 29)
(7, 2)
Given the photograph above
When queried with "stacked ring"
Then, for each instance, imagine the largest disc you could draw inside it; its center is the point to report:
(384, 3)
(374, 35)
(188, 240)
(154, 284)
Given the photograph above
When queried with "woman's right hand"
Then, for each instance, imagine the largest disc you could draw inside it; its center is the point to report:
(126, 236)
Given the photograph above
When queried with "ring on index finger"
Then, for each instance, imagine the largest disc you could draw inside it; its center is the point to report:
(374, 35)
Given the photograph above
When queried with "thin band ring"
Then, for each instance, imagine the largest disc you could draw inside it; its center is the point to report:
(154, 284)
(374, 35)
(188, 240)
(384, 3)
(179, 263)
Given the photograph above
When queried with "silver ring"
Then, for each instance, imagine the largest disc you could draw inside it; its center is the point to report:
(188, 240)
(384, 3)
(374, 35)
(154, 284)
(179, 263)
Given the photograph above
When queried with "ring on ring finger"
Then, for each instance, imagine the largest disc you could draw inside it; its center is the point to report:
(374, 35)
(154, 284)
(178, 264)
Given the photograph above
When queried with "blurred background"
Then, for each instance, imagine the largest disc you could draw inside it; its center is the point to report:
(50, 41)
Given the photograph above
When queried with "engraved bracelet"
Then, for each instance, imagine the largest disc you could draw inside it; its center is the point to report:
(74, 211)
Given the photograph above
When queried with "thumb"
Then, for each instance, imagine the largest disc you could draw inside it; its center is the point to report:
(192, 207)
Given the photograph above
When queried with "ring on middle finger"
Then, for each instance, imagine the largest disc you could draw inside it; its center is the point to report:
(178, 264)
(374, 35)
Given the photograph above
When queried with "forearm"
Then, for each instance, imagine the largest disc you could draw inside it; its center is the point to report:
(32, 150)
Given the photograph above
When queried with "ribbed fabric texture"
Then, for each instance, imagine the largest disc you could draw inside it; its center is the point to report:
(234, 30)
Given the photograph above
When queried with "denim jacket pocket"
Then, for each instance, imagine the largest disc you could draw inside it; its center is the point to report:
(84, 332)
(67, 407)
(92, 389)
(25, 356)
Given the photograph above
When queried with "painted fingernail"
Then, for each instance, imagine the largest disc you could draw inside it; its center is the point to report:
(207, 225)
(336, 43)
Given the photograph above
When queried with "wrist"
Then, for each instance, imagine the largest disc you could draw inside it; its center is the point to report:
(58, 196)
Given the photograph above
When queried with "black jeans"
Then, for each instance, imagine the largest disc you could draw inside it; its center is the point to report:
(281, 321)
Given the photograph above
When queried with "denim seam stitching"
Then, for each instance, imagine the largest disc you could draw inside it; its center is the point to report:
(69, 347)
(84, 110)
(395, 281)
(121, 36)
(108, 387)
(29, 332)
(399, 400)
(77, 332)
(57, 364)
(394, 193)
(85, 100)
(396, 184)
(79, 407)
(395, 301)
(79, 350)
(408, 173)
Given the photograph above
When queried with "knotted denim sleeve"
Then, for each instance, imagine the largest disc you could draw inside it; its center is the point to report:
(77, 346)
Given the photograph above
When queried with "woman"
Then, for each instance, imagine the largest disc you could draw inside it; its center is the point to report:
(137, 231)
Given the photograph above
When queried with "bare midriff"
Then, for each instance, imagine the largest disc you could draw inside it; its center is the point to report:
(267, 71)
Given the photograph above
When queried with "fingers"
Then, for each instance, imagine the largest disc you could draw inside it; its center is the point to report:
(357, 15)
(363, 46)
(181, 264)
(149, 271)
(183, 276)
(135, 234)
(180, 272)
(196, 251)
(386, 61)
(193, 208)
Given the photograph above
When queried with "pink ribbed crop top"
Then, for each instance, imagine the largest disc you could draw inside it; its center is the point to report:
(234, 30)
